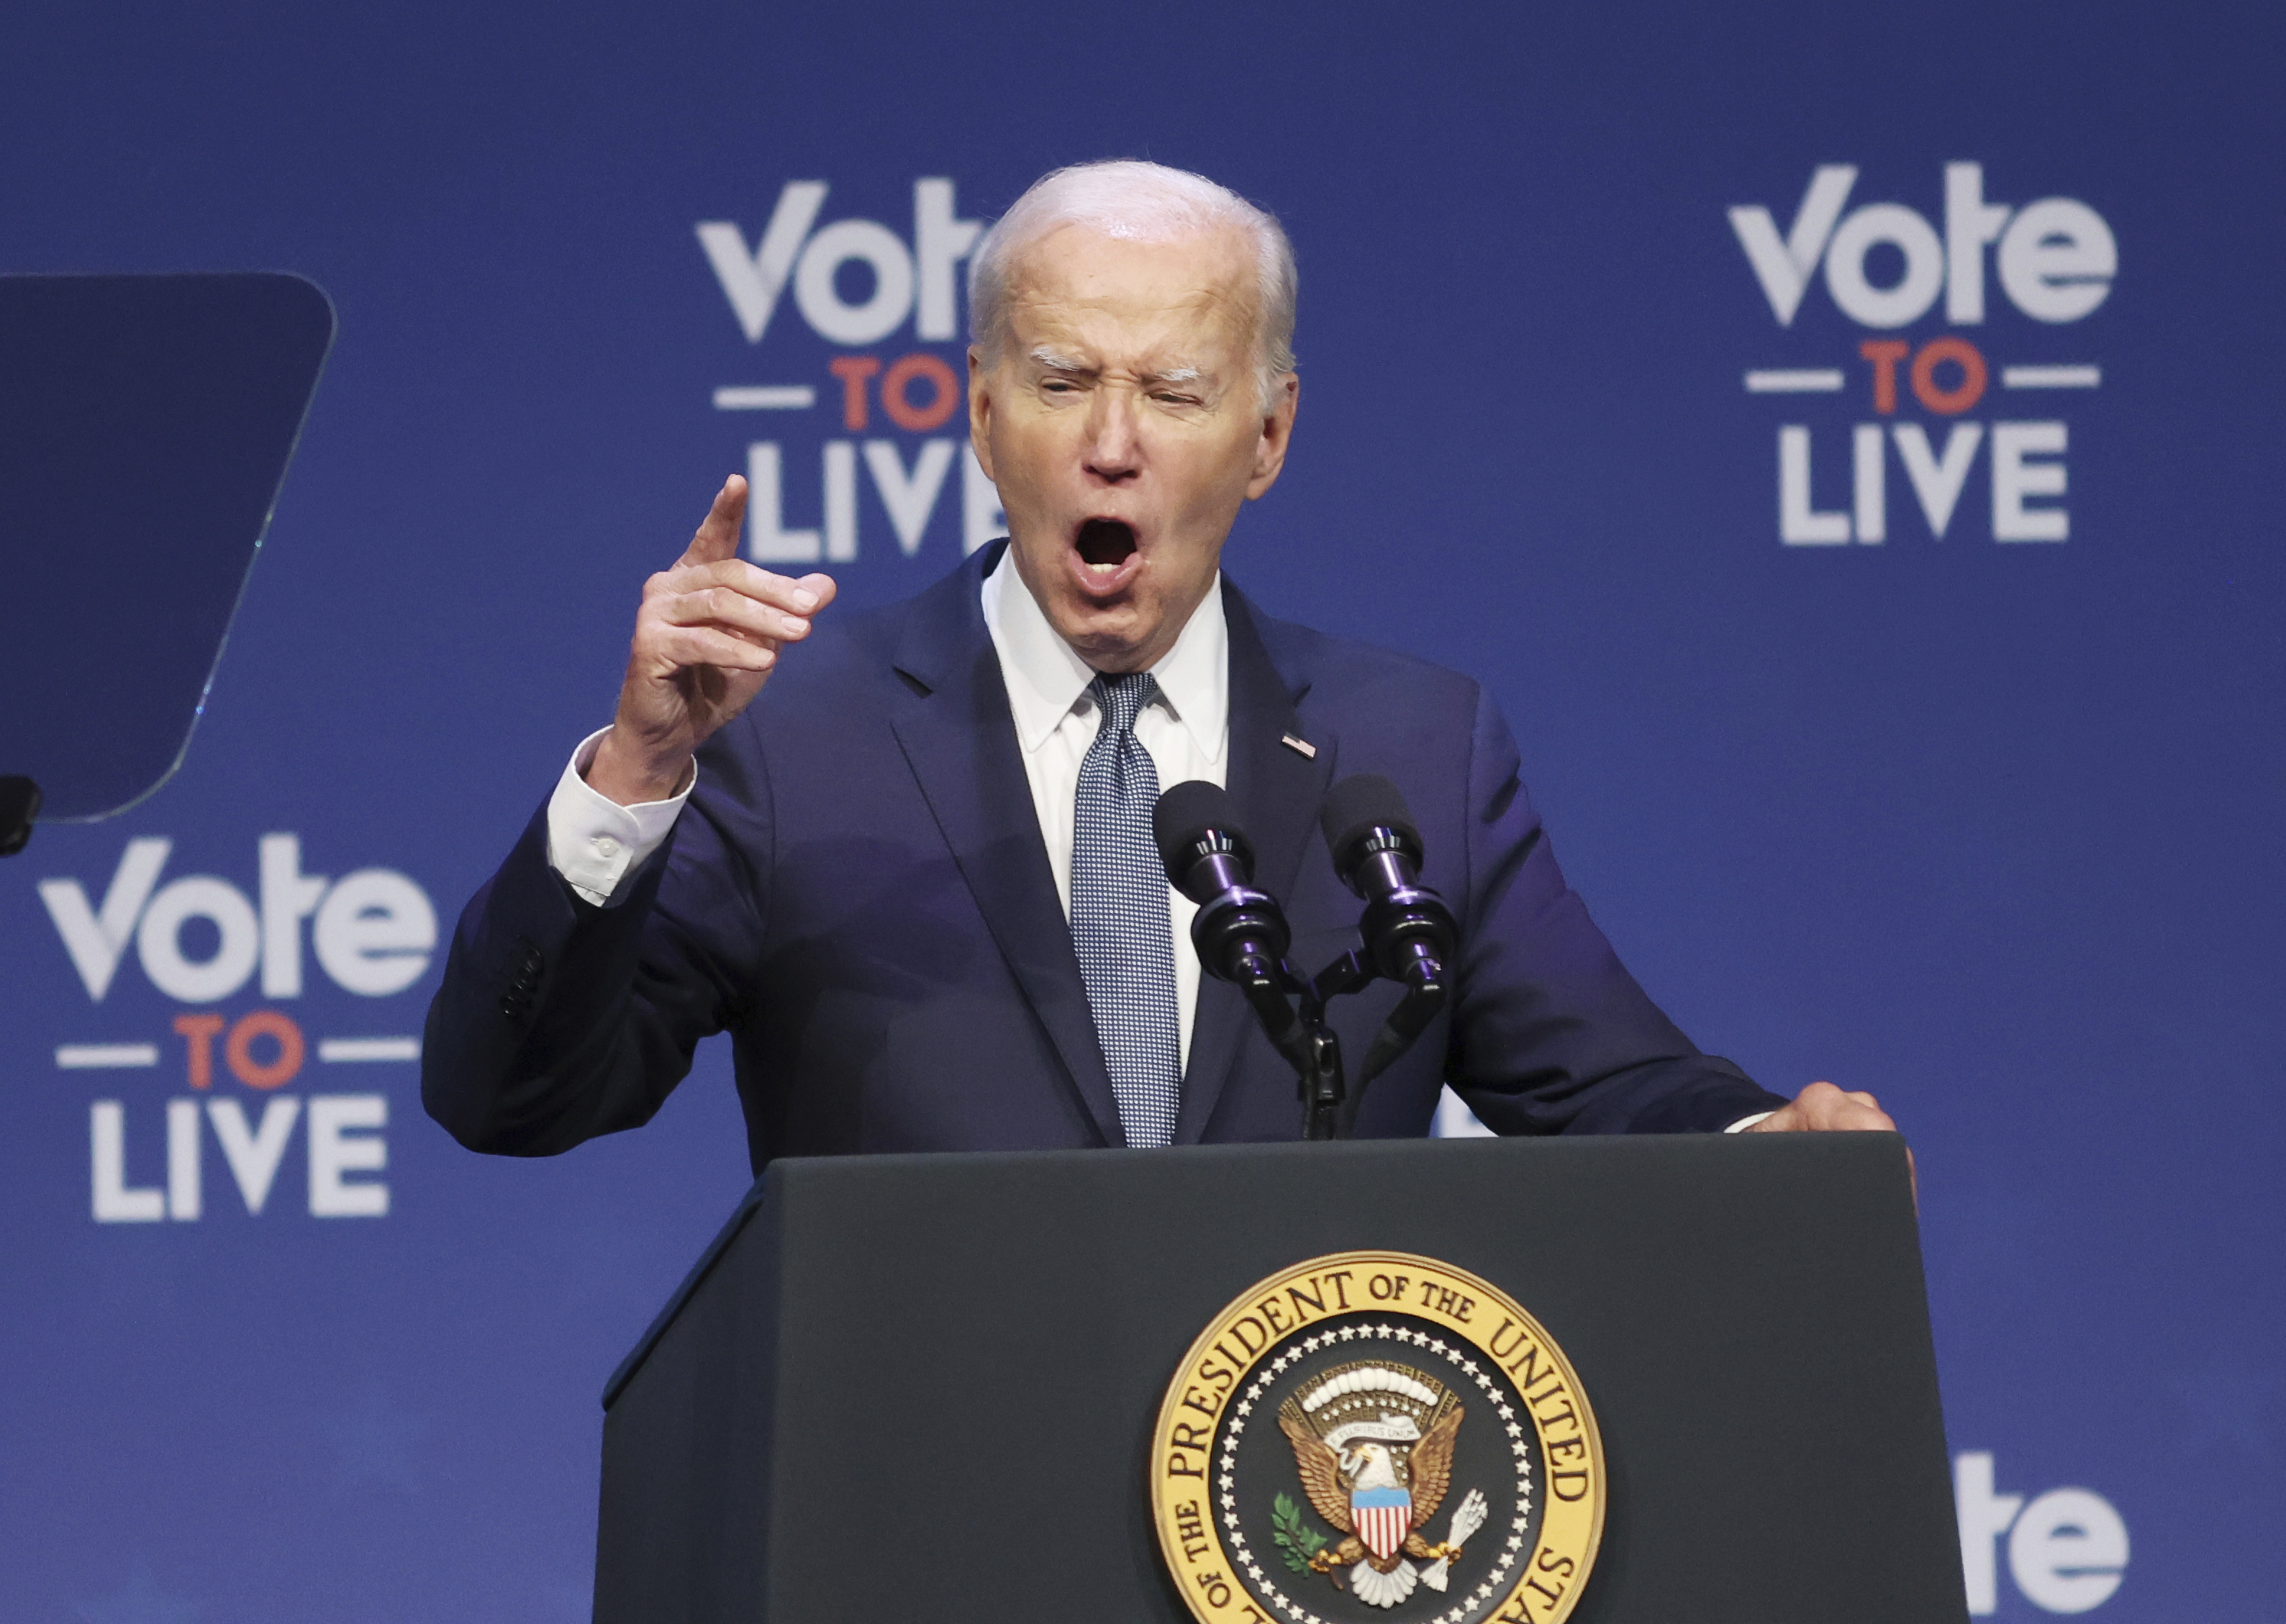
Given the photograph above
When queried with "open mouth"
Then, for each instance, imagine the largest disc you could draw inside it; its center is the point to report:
(1105, 545)
(1106, 557)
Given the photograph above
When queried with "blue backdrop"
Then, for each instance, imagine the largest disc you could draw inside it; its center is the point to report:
(1985, 823)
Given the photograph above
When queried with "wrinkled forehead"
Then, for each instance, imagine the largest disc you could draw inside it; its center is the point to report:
(1079, 284)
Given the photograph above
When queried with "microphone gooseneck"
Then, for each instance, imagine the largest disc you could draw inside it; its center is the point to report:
(1240, 931)
(1409, 933)
(1241, 934)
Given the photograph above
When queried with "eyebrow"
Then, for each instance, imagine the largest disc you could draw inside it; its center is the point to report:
(1055, 360)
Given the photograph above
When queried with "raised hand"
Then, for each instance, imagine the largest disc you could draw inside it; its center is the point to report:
(706, 639)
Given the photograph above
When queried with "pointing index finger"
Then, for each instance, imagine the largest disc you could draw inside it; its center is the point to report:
(717, 538)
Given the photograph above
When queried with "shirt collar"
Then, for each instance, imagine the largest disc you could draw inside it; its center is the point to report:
(1046, 679)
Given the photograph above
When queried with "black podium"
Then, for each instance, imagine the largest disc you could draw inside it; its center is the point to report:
(923, 1388)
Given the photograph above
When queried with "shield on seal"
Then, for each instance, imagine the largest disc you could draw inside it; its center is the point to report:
(1384, 1518)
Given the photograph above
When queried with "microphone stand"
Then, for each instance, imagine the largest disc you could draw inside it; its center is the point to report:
(1329, 1107)
(1241, 937)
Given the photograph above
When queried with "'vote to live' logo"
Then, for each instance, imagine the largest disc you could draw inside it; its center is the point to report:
(1885, 268)
(203, 944)
(860, 287)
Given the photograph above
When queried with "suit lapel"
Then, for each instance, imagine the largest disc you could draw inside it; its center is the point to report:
(1278, 792)
(959, 739)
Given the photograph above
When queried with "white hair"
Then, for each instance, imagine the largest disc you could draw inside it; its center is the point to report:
(1143, 203)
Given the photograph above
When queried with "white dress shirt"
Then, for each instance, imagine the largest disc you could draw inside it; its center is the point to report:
(595, 843)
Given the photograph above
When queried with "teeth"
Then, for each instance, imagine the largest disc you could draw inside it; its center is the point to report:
(1103, 569)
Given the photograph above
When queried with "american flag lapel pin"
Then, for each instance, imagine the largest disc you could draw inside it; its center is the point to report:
(1302, 747)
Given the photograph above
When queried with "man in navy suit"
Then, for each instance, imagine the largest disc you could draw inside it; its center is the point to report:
(874, 871)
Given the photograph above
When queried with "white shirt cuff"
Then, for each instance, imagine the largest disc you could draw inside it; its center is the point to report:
(593, 840)
(1745, 1122)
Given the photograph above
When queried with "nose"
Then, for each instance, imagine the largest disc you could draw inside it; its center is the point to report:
(1113, 452)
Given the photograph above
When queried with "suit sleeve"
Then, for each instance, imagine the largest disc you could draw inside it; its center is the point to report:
(1550, 1034)
(557, 1020)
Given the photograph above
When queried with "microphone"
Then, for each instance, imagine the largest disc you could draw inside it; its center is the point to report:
(1410, 933)
(1240, 931)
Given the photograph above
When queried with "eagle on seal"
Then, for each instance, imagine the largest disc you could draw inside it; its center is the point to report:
(1377, 1471)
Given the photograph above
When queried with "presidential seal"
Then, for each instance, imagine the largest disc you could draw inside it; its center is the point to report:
(1372, 1437)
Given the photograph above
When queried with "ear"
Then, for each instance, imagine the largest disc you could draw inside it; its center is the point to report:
(1277, 434)
(980, 410)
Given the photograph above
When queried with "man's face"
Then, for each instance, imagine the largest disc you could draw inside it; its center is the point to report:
(1124, 426)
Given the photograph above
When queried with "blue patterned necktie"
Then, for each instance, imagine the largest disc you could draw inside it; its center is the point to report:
(1119, 917)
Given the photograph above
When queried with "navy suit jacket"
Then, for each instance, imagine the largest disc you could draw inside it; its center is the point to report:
(858, 893)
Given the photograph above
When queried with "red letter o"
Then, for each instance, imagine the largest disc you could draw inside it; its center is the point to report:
(238, 1049)
(1948, 402)
(944, 391)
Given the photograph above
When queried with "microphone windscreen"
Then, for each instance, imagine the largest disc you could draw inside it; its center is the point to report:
(1184, 814)
(1357, 805)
